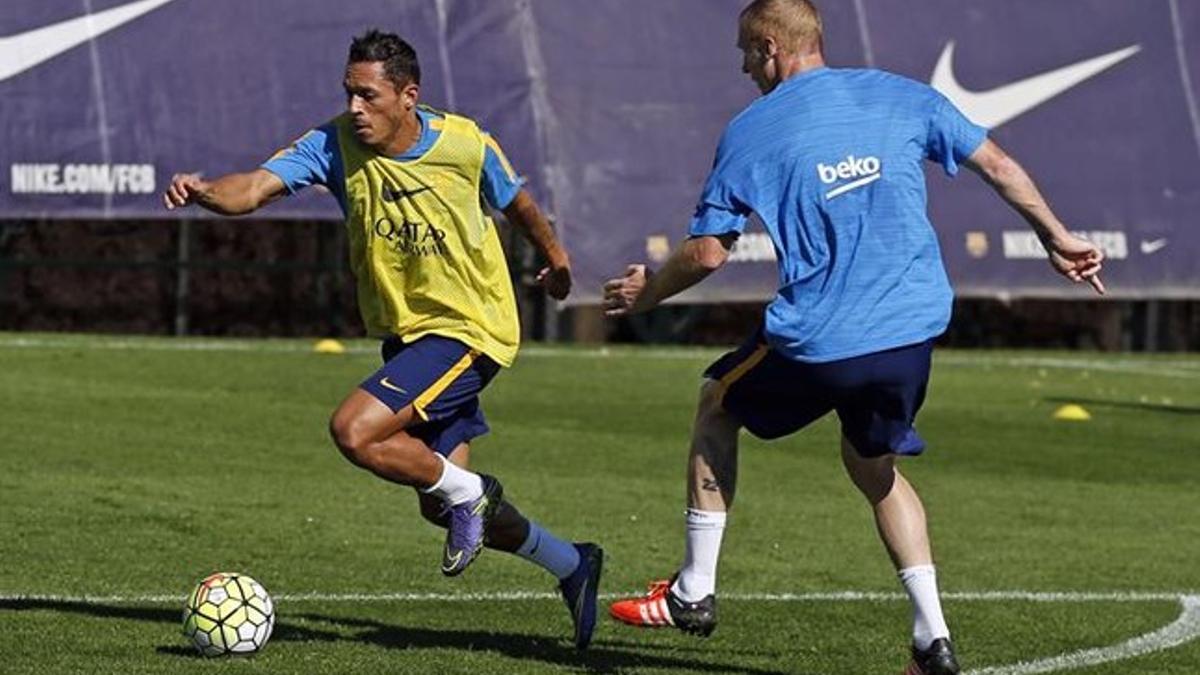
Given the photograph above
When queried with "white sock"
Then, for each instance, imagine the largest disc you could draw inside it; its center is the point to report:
(556, 556)
(457, 485)
(928, 623)
(698, 576)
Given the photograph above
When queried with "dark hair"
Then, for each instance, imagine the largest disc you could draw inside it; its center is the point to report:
(398, 57)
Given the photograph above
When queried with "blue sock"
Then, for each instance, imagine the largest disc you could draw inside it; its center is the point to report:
(558, 557)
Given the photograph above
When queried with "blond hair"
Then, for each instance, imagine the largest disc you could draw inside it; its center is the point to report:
(795, 24)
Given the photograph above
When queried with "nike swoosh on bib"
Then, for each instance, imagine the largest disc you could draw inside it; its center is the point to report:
(994, 107)
(23, 51)
(391, 194)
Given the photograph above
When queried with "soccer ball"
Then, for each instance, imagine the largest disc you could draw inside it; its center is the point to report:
(228, 613)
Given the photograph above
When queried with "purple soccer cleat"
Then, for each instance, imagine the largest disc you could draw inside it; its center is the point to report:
(468, 522)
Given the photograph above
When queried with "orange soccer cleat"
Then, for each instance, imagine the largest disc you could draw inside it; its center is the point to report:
(660, 607)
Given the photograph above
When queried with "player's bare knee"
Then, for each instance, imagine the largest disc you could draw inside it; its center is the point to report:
(350, 438)
(711, 393)
(711, 412)
(873, 476)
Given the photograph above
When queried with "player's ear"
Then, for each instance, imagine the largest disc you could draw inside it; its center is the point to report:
(409, 94)
(769, 47)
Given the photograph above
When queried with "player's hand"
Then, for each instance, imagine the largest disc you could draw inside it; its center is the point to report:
(1078, 260)
(621, 294)
(183, 190)
(556, 279)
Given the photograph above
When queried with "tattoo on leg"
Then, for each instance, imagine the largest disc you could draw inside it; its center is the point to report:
(710, 485)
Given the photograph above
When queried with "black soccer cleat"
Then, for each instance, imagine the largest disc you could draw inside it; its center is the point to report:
(937, 660)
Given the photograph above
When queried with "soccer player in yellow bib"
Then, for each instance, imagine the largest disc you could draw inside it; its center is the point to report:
(434, 286)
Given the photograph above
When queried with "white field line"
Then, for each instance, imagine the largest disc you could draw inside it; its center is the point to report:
(1184, 629)
(517, 596)
(1174, 368)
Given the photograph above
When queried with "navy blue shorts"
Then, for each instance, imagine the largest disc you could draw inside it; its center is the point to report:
(876, 396)
(441, 379)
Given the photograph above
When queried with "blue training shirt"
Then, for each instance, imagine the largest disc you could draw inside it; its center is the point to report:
(831, 162)
(316, 159)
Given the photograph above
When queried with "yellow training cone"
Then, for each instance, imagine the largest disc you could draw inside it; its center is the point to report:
(1073, 413)
(329, 346)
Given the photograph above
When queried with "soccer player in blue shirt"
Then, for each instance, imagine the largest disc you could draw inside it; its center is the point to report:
(434, 286)
(830, 160)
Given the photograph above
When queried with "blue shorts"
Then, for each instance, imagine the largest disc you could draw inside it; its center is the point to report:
(876, 396)
(441, 379)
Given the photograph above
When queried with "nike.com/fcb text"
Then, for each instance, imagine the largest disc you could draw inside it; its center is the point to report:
(83, 179)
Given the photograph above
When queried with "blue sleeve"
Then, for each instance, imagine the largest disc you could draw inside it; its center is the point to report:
(499, 184)
(307, 161)
(712, 220)
(952, 137)
(721, 210)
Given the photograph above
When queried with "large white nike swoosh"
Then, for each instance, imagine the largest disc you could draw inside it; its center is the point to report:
(994, 107)
(23, 51)
(1151, 247)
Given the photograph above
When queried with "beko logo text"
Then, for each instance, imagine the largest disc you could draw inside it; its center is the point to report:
(864, 171)
(852, 167)
(105, 179)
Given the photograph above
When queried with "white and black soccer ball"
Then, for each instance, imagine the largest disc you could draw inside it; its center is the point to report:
(228, 613)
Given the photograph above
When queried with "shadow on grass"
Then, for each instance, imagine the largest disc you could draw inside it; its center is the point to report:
(602, 657)
(1126, 405)
(153, 614)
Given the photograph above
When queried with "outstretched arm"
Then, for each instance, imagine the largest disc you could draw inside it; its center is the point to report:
(1072, 257)
(524, 214)
(640, 290)
(235, 194)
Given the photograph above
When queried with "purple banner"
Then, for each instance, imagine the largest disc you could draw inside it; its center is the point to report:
(613, 109)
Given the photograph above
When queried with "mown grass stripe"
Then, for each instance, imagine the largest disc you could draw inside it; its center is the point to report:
(1152, 366)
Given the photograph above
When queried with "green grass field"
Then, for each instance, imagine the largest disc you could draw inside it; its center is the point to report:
(129, 469)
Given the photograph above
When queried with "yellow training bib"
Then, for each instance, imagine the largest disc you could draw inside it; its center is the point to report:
(424, 252)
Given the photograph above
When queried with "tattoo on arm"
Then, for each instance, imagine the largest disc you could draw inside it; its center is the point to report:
(710, 485)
